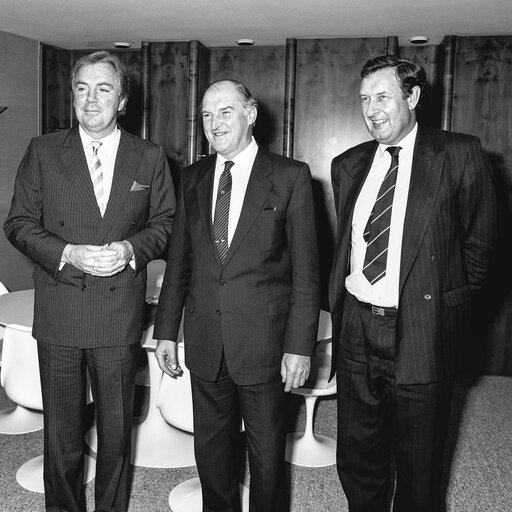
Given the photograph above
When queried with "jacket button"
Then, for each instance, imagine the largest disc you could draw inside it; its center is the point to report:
(84, 287)
(427, 296)
(218, 312)
(222, 282)
(112, 288)
(433, 257)
(61, 223)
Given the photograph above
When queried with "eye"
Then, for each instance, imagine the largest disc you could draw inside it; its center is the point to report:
(382, 97)
(206, 116)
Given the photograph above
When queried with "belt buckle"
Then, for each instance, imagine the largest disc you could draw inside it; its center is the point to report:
(378, 311)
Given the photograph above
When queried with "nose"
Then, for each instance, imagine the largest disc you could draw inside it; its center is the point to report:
(372, 108)
(91, 96)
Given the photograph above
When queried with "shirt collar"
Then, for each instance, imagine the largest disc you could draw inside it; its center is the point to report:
(407, 143)
(105, 141)
(244, 154)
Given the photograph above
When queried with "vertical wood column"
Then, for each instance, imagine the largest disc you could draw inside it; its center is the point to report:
(289, 97)
(392, 47)
(145, 88)
(192, 103)
(450, 46)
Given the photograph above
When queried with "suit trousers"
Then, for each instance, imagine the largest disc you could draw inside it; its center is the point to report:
(380, 421)
(218, 409)
(63, 381)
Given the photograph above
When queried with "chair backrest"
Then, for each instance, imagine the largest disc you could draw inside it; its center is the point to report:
(3, 289)
(324, 337)
(155, 270)
(20, 367)
(175, 397)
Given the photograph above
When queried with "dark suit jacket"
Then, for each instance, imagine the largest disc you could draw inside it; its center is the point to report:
(265, 300)
(54, 204)
(449, 233)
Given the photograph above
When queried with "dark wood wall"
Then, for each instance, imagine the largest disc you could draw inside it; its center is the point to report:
(309, 109)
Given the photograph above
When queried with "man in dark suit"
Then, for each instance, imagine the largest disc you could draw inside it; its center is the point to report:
(244, 264)
(416, 226)
(92, 206)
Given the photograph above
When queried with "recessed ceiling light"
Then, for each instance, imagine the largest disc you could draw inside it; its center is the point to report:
(419, 39)
(122, 44)
(245, 42)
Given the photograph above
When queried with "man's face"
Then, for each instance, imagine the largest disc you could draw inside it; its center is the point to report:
(97, 99)
(226, 122)
(389, 116)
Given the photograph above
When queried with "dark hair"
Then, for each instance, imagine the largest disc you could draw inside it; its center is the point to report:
(408, 74)
(247, 99)
(117, 66)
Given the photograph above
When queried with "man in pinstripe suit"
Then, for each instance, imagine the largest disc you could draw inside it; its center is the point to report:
(90, 243)
(429, 230)
(251, 305)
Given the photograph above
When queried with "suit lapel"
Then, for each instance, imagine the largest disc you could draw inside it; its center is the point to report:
(125, 171)
(204, 193)
(73, 156)
(258, 188)
(423, 190)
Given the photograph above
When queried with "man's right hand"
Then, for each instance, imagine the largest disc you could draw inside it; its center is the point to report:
(93, 259)
(167, 356)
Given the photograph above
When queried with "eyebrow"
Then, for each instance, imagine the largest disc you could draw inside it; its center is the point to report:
(101, 84)
(227, 107)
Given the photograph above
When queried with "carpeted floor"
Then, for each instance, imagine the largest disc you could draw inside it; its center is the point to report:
(479, 454)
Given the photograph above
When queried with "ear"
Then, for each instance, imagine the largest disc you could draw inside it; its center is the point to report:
(414, 97)
(252, 114)
(122, 104)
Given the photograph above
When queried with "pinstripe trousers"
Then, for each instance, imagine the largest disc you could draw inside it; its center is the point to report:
(380, 422)
(63, 381)
(218, 409)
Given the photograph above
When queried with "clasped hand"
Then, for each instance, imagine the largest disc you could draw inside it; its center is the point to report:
(101, 261)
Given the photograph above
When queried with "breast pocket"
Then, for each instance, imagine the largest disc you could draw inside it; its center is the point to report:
(137, 204)
(271, 229)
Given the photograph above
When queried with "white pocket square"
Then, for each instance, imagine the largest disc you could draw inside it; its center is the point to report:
(136, 187)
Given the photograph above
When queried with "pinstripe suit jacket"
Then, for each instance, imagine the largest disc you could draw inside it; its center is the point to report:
(54, 204)
(265, 299)
(449, 234)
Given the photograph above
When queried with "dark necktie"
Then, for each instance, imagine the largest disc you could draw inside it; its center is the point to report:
(221, 216)
(376, 233)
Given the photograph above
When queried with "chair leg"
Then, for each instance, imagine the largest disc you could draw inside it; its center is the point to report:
(20, 420)
(307, 448)
(187, 497)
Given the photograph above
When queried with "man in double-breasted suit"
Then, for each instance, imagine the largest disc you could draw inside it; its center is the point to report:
(416, 226)
(243, 263)
(91, 207)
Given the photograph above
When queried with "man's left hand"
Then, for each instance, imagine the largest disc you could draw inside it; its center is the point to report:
(124, 253)
(294, 370)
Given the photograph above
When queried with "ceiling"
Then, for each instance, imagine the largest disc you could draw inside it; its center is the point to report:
(73, 25)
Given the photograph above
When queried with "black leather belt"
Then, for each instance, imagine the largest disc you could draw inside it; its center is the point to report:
(380, 310)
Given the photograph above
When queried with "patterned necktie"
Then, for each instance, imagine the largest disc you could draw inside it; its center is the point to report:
(376, 233)
(97, 175)
(221, 217)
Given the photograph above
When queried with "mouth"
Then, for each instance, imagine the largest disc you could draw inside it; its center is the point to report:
(219, 134)
(378, 123)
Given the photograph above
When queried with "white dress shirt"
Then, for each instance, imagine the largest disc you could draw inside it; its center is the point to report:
(240, 174)
(385, 291)
(107, 153)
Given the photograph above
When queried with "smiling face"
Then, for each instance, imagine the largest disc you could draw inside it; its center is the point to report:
(226, 121)
(97, 99)
(389, 116)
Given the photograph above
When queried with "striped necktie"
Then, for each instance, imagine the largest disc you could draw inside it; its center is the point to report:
(221, 216)
(97, 175)
(376, 233)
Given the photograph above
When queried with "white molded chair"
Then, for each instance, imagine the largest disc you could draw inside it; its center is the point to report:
(20, 378)
(175, 404)
(3, 290)
(307, 448)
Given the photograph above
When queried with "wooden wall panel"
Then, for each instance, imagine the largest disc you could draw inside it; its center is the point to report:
(262, 70)
(56, 95)
(482, 106)
(168, 101)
